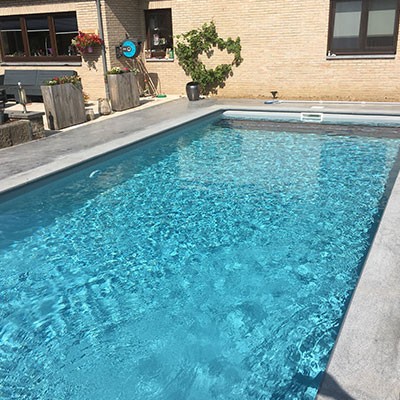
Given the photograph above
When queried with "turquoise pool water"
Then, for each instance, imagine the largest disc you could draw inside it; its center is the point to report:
(210, 263)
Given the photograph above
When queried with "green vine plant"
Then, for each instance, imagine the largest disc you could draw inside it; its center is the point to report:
(191, 45)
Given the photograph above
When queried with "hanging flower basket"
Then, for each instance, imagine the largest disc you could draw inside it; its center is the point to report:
(85, 42)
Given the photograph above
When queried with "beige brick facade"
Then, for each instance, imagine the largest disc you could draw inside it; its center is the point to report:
(284, 47)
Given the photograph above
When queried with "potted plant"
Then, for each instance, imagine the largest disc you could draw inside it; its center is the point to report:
(123, 88)
(191, 45)
(84, 42)
(63, 101)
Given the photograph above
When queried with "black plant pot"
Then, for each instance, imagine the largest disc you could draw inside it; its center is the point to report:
(193, 91)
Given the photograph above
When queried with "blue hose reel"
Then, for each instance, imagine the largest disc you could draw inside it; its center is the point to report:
(129, 49)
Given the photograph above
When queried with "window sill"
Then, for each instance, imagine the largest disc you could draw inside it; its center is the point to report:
(160, 59)
(36, 63)
(363, 57)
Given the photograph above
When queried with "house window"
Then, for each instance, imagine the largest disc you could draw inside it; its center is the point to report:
(11, 37)
(159, 42)
(66, 28)
(363, 27)
(38, 37)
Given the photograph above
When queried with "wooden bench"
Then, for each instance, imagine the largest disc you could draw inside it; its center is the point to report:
(31, 80)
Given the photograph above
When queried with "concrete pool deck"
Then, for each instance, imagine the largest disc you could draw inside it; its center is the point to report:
(365, 364)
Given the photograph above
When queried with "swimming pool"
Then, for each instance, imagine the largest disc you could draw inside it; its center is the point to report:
(214, 262)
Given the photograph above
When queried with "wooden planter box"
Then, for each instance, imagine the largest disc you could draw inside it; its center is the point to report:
(124, 91)
(64, 105)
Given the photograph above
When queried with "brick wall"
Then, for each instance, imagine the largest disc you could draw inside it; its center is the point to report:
(122, 18)
(284, 47)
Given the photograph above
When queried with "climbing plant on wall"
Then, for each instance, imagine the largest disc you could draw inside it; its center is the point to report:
(191, 45)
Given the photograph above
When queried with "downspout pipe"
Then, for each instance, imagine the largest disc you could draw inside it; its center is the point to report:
(103, 48)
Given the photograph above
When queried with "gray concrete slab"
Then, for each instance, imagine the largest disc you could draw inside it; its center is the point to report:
(365, 364)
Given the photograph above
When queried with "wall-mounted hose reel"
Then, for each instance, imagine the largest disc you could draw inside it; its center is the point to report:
(129, 48)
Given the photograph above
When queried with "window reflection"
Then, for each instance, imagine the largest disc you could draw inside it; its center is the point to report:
(363, 26)
(11, 37)
(39, 36)
(66, 28)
